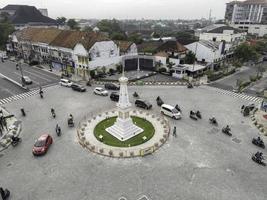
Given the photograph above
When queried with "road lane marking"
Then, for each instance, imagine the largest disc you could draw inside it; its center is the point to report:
(33, 74)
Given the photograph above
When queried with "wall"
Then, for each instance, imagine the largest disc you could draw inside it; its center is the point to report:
(219, 37)
(103, 50)
(205, 53)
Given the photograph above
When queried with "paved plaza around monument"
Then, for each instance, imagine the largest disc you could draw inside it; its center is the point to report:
(200, 163)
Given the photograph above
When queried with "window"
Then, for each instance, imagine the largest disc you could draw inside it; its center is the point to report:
(111, 52)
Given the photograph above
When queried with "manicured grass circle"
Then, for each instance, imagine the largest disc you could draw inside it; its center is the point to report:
(108, 139)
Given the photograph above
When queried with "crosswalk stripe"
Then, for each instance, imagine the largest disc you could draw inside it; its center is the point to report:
(237, 95)
(19, 96)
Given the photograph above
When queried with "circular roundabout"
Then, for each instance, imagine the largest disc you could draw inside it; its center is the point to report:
(93, 136)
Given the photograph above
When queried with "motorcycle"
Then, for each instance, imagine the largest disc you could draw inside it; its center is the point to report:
(213, 121)
(58, 131)
(4, 193)
(70, 122)
(193, 115)
(258, 143)
(178, 108)
(15, 141)
(41, 94)
(189, 85)
(23, 112)
(226, 131)
(54, 115)
(257, 160)
(159, 101)
(198, 114)
(135, 95)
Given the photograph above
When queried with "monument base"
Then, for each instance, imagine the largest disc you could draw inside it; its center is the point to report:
(124, 129)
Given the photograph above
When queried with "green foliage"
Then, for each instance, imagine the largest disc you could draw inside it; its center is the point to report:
(73, 24)
(92, 73)
(110, 26)
(245, 52)
(118, 36)
(87, 29)
(119, 68)
(61, 20)
(214, 76)
(237, 64)
(137, 39)
(163, 69)
(190, 58)
(185, 37)
(5, 30)
(227, 73)
(253, 78)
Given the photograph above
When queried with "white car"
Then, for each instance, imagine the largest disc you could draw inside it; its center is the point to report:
(65, 82)
(170, 111)
(100, 91)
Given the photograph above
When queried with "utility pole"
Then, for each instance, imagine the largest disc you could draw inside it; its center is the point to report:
(21, 71)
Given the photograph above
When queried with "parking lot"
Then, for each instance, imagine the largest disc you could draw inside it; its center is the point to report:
(201, 163)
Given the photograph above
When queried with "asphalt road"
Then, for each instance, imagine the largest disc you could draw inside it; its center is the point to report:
(38, 76)
(8, 89)
(228, 83)
(200, 164)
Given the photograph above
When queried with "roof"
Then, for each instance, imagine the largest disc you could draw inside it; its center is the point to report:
(29, 14)
(69, 39)
(43, 35)
(162, 54)
(60, 38)
(210, 44)
(123, 45)
(157, 46)
(221, 29)
(172, 46)
(12, 7)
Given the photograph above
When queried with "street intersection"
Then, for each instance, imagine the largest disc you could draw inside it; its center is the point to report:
(201, 163)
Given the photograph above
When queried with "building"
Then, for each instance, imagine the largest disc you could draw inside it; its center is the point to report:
(209, 52)
(224, 33)
(22, 16)
(65, 49)
(246, 12)
(126, 47)
(165, 52)
(258, 30)
(186, 70)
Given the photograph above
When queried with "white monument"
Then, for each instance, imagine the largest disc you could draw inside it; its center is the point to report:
(124, 128)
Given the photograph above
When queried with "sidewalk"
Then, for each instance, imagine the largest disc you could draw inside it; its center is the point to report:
(13, 129)
(74, 77)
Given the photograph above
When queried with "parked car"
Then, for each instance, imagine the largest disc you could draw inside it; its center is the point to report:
(26, 80)
(100, 91)
(65, 82)
(111, 86)
(170, 111)
(78, 87)
(114, 96)
(143, 104)
(42, 144)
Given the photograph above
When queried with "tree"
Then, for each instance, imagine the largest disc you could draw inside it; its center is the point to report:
(190, 58)
(245, 52)
(5, 30)
(118, 36)
(73, 24)
(61, 20)
(87, 29)
(135, 38)
(110, 26)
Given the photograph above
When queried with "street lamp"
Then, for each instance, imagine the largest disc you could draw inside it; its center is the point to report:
(21, 71)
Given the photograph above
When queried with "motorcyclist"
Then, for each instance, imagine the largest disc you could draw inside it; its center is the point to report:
(135, 94)
(58, 129)
(192, 112)
(178, 108)
(23, 112)
(259, 140)
(52, 111)
(227, 128)
(259, 156)
(14, 138)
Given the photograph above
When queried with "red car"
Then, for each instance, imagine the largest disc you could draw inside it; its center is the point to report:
(41, 145)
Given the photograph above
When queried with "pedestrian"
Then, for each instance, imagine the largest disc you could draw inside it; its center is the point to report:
(174, 131)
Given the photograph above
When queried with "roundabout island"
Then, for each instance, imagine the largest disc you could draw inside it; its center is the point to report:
(123, 132)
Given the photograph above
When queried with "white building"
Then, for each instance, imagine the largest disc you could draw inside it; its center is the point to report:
(224, 33)
(207, 51)
(254, 29)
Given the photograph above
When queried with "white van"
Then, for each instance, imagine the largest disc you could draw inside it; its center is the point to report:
(170, 111)
(65, 82)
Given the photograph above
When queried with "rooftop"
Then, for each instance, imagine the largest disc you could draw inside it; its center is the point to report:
(123, 45)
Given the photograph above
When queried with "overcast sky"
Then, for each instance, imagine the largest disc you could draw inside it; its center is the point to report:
(128, 9)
